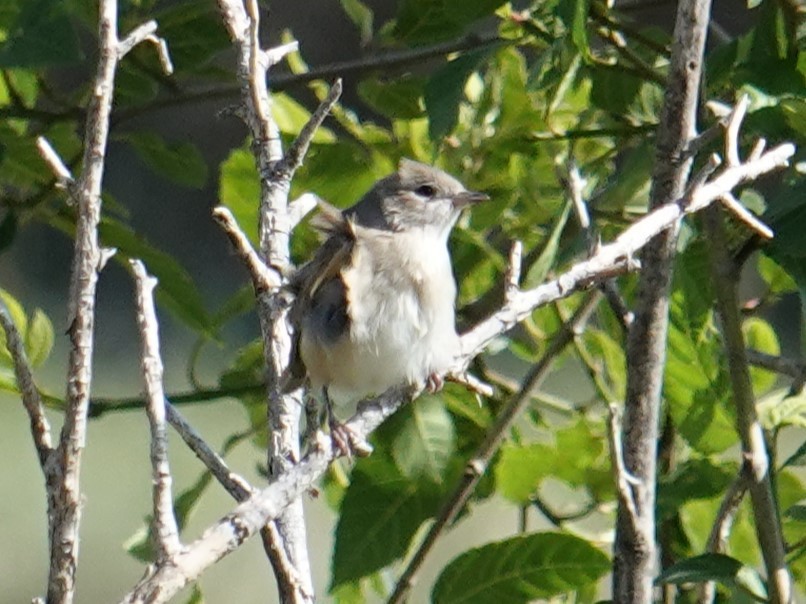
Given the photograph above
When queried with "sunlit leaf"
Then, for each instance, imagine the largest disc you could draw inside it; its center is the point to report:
(380, 513)
(716, 567)
(520, 570)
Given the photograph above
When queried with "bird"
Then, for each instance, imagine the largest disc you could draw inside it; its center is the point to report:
(375, 307)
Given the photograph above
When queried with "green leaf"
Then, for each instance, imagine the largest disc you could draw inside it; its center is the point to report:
(380, 514)
(796, 512)
(361, 16)
(42, 35)
(698, 478)
(779, 409)
(424, 440)
(39, 338)
(132, 86)
(18, 317)
(196, 596)
(521, 569)
(291, 117)
(194, 33)
(548, 255)
(777, 279)
(178, 162)
(399, 98)
(176, 290)
(8, 228)
(798, 458)
(575, 15)
(239, 190)
(728, 571)
(521, 469)
(420, 21)
(759, 335)
(446, 89)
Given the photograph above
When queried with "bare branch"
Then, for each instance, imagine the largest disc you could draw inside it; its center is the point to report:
(274, 55)
(743, 214)
(623, 479)
(263, 278)
(165, 528)
(64, 497)
(64, 179)
(147, 33)
(301, 207)
(634, 549)
(732, 131)
(40, 427)
(720, 531)
(296, 152)
(751, 433)
(792, 368)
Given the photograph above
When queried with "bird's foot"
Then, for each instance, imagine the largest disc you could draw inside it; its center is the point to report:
(346, 441)
(434, 383)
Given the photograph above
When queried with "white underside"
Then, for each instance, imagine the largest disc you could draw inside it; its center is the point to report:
(401, 295)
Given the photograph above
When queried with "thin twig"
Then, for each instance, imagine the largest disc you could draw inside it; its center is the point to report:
(165, 527)
(720, 531)
(292, 567)
(40, 427)
(64, 179)
(297, 150)
(751, 433)
(480, 460)
(263, 277)
(791, 367)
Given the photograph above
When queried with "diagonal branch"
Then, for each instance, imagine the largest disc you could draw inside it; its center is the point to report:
(40, 427)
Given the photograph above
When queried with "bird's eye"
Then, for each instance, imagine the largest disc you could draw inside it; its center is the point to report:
(425, 191)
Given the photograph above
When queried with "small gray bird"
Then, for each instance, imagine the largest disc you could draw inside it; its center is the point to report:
(375, 306)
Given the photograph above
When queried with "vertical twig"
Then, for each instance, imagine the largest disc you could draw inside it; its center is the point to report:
(64, 494)
(275, 223)
(751, 434)
(634, 548)
(165, 528)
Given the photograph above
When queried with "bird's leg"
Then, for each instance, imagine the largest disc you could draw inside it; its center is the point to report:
(313, 419)
(345, 440)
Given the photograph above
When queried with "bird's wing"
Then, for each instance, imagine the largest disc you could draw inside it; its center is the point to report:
(315, 279)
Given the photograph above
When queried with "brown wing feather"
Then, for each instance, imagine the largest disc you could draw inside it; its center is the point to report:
(327, 263)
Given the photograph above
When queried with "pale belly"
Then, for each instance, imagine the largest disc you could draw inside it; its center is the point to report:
(391, 341)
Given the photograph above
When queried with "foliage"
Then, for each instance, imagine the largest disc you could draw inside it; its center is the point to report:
(504, 115)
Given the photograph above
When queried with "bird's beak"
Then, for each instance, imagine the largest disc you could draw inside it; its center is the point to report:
(467, 198)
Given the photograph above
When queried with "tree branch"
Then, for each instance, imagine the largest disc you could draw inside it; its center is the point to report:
(751, 433)
(274, 228)
(165, 528)
(634, 548)
(40, 427)
(64, 494)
